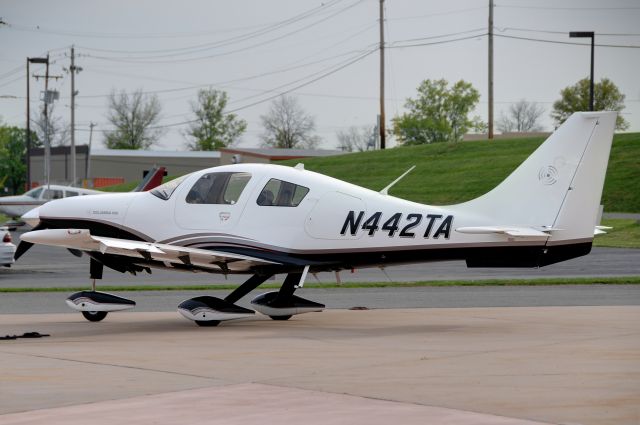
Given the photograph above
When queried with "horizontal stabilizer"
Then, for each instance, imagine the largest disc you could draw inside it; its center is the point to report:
(600, 230)
(518, 232)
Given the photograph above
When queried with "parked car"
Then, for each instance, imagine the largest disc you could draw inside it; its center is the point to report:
(7, 248)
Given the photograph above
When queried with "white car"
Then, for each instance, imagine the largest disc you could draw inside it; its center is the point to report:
(7, 249)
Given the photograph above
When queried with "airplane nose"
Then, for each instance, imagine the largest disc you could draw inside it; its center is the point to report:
(32, 217)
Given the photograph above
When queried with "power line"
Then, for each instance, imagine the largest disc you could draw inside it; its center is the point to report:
(438, 42)
(599, 34)
(153, 58)
(579, 8)
(280, 93)
(622, 46)
(170, 35)
(438, 36)
(428, 15)
(231, 40)
(255, 76)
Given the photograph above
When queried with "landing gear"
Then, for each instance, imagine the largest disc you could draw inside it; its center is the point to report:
(207, 323)
(278, 305)
(95, 305)
(94, 316)
(281, 317)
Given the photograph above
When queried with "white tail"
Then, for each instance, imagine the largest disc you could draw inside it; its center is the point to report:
(559, 186)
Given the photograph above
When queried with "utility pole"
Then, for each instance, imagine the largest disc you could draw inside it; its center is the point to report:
(382, 119)
(30, 61)
(28, 135)
(47, 142)
(88, 169)
(48, 97)
(490, 105)
(73, 69)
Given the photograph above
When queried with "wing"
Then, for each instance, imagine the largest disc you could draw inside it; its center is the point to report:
(81, 239)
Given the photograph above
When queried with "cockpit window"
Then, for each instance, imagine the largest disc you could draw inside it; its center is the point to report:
(164, 191)
(34, 193)
(218, 188)
(278, 193)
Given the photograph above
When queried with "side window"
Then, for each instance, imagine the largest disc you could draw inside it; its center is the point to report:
(68, 194)
(278, 193)
(52, 194)
(218, 188)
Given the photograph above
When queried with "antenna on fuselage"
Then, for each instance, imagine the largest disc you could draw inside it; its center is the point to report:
(385, 191)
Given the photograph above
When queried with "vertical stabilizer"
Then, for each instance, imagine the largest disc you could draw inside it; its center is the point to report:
(559, 186)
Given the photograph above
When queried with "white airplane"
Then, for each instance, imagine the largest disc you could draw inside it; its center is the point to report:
(17, 205)
(262, 220)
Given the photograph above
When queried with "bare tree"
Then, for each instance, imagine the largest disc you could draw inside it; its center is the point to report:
(356, 139)
(58, 131)
(134, 117)
(522, 117)
(287, 125)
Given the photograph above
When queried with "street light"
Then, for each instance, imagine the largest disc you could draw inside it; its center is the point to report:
(30, 60)
(587, 34)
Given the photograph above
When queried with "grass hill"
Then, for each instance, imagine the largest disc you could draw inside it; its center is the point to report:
(452, 173)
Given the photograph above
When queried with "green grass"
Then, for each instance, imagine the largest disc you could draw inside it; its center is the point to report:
(627, 280)
(451, 173)
(625, 234)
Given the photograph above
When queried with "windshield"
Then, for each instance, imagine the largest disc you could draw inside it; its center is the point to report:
(34, 193)
(164, 191)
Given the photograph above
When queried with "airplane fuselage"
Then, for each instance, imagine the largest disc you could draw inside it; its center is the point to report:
(336, 225)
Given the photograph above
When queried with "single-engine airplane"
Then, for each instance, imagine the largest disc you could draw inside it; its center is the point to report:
(263, 219)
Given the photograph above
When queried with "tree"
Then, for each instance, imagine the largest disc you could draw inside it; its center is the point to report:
(58, 132)
(438, 114)
(355, 139)
(13, 167)
(134, 117)
(287, 125)
(606, 97)
(213, 128)
(522, 117)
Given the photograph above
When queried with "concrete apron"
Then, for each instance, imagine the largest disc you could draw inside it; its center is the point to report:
(474, 365)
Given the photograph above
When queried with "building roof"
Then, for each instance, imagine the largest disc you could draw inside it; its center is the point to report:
(159, 154)
(278, 153)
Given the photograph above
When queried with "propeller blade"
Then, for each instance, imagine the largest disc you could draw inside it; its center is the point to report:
(22, 248)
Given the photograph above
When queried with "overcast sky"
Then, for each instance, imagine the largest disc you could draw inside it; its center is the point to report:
(323, 52)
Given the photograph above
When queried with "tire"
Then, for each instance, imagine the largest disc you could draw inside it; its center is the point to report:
(208, 323)
(94, 316)
(281, 317)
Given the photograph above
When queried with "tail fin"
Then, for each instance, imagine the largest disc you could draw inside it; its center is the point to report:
(559, 186)
(151, 180)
